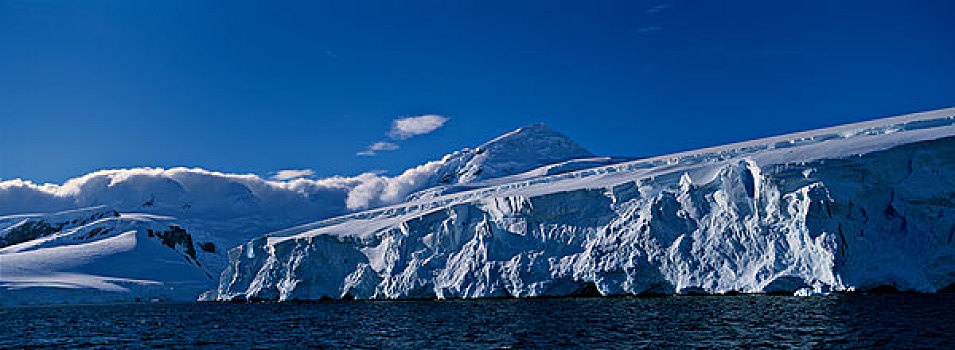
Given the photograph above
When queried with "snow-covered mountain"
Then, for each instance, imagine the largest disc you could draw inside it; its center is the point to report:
(531, 151)
(853, 207)
(125, 216)
(529, 213)
(518, 151)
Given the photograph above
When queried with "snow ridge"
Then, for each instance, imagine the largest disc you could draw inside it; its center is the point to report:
(515, 152)
(98, 255)
(851, 207)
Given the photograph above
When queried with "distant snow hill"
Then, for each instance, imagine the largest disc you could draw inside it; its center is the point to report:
(530, 213)
(99, 255)
(866, 206)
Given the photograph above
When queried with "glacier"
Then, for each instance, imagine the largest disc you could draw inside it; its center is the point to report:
(864, 206)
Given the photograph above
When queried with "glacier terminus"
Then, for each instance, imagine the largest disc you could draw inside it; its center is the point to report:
(866, 206)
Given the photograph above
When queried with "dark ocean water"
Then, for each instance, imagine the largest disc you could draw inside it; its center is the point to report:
(852, 321)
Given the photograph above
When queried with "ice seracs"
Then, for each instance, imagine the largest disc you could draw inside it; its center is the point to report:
(854, 207)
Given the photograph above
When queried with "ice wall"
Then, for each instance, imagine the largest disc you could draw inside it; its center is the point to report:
(766, 219)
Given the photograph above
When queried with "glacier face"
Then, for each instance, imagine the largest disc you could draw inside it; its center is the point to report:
(852, 207)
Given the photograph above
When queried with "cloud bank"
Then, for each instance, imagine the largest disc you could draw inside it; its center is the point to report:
(208, 195)
(188, 192)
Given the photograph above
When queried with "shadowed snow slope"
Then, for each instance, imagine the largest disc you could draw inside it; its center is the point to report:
(851, 207)
(98, 255)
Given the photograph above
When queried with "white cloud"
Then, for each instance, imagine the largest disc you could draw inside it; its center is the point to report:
(375, 190)
(195, 192)
(185, 192)
(376, 147)
(405, 128)
(288, 174)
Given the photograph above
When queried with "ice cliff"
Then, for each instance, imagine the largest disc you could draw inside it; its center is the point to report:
(854, 207)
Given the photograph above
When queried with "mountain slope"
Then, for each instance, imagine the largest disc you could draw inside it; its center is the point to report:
(98, 255)
(851, 207)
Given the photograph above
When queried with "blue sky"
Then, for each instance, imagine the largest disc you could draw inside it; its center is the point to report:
(263, 86)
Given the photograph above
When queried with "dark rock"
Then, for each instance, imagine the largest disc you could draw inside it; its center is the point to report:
(176, 236)
(588, 289)
(27, 231)
(208, 247)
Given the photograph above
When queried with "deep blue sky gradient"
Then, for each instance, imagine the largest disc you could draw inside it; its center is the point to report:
(262, 86)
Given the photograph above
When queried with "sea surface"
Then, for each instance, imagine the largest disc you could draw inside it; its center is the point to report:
(847, 321)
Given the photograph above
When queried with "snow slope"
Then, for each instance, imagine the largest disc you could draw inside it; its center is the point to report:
(518, 151)
(98, 255)
(851, 207)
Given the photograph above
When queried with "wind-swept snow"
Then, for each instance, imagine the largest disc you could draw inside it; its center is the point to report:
(850, 207)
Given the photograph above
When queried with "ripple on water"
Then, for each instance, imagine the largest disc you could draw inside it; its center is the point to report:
(918, 320)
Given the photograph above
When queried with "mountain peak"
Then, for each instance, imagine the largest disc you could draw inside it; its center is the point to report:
(523, 149)
(533, 131)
